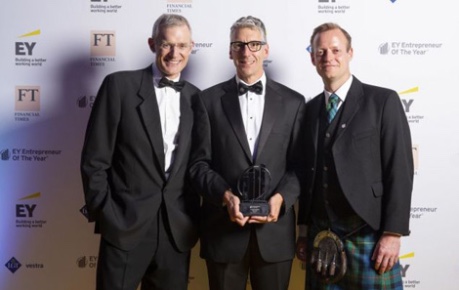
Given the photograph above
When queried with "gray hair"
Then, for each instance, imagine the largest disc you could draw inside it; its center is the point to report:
(167, 20)
(249, 22)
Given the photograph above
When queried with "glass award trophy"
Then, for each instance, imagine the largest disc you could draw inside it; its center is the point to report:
(253, 186)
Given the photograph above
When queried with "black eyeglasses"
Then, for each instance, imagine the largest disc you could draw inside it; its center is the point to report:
(252, 45)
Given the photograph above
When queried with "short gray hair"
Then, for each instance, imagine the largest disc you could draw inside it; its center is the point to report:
(249, 22)
(167, 20)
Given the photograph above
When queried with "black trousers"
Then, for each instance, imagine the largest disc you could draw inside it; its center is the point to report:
(263, 275)
(155, 263)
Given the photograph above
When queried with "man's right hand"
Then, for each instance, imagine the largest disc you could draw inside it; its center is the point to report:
(301, 244)
(232, 202)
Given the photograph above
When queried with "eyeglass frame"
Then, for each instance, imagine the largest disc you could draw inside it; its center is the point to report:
(241, 44)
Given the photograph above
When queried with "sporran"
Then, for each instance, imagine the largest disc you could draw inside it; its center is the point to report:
(328, 260)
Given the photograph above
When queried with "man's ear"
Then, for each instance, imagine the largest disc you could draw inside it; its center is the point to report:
(311, 55)
(351, 52)
(151, 44)
(266, 48)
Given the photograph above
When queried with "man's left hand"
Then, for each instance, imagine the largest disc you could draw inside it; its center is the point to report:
(386, 252)
(275, 204)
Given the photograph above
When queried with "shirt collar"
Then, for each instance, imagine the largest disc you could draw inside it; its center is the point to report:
(262, 79)
(157, 75)
(341, 92)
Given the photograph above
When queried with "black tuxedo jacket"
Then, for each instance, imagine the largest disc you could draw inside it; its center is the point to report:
(220, 155)
(372, 153)
(122, 163)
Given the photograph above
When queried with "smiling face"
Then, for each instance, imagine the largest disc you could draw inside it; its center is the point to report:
(331, 57)
(249, 64)
(173, 49)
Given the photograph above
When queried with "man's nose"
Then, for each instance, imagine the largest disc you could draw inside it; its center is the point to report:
(173, 50)
(328, 55)
(245, 50)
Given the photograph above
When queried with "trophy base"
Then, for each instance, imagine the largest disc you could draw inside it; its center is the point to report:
(258, 208)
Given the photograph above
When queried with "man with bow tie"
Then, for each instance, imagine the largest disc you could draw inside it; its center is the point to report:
(134, 168)
(247, 121)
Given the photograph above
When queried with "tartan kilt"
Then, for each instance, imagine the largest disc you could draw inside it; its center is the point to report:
(359, 248)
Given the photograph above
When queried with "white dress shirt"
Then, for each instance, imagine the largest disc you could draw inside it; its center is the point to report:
(169, 111)
(252, 107)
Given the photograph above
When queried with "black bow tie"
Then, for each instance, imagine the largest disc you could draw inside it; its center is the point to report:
(164, 82)
(256, 88)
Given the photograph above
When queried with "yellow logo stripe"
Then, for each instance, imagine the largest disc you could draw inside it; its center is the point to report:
(409, 255)
(33, 195)
(409, 91)
(36, 32)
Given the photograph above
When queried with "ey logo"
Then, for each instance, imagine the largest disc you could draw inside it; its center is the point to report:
(26, 210)
(103, 43)
(27, 98)
(408, 102)
(405, 267)
(26, 48)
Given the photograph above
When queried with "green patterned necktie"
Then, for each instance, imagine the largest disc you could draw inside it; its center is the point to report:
(332, 107)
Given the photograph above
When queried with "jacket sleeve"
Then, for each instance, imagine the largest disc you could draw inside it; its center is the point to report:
(210, 185)
(99, 146)
(289, 186)
(397, 167)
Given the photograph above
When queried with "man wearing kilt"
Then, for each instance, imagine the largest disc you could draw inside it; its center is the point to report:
(358, 178)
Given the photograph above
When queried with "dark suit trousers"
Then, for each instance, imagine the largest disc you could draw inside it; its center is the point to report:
(263, 275)
(155, 263)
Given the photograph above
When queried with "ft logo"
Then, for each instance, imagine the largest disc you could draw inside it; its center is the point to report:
(26, 48)
(103, 43)
(26, 210)
(27, 98)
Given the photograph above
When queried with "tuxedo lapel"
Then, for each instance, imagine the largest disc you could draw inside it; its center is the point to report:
(232, 109)
(149, 112)
(185, 128)
(313, 114)
(270, 114)
(350, 107)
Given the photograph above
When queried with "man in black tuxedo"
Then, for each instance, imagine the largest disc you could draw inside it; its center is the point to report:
(359, 169)
(134, 168)
(237, 127)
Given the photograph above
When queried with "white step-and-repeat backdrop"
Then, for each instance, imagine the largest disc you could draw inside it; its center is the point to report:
(54, 55)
